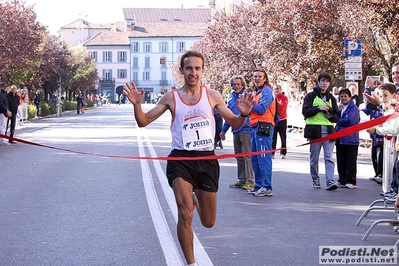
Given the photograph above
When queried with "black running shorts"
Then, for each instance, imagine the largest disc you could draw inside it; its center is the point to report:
(201, 174)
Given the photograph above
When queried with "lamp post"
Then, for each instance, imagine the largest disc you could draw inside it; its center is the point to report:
(59, 106)
(172, 65)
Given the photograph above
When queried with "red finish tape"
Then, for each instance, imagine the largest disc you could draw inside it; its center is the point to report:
(344, 132)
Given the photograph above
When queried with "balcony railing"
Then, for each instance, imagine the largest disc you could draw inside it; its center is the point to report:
(107, 80)
(163, 82)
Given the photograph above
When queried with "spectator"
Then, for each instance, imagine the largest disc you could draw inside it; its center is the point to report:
(377, 148)
(79, 102)
(101, 99)
(372, 99)
(388, 94)
(335, 93)
(262, 117)
(373, 102)
(218, 121)
(13, 102)
(321, 112)
(355, 98)
(241, 137)
(281, 127)
(347, 146)
(84, 101)
(4, 113)
(36, 101)
(23, 105)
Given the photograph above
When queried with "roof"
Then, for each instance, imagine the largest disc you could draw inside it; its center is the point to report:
(151, 30)
(109, 38)
(77, 24)
(167, 15)
(167, 30)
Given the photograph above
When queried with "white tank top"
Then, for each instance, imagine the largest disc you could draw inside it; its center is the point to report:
(193, 126)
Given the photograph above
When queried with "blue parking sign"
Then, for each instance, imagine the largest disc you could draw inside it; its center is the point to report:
(353, 47)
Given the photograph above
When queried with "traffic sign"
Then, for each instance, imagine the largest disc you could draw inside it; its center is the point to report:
(353, 68)
(353, 74)
(353, 47)
(352, 59)
(351, 84)
(353, 65)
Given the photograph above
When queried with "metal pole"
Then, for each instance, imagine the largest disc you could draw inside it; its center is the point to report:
(59, 106)
(389, 160)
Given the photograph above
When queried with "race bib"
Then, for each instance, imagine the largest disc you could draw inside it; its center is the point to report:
(197, 135)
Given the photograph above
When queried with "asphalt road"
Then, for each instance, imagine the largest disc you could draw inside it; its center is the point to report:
(92, 208)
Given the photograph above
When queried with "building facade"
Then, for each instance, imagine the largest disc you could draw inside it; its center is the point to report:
(227, 5)
(143, 49)
(79, 31)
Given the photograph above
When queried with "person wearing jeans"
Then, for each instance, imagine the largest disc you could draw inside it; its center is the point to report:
(328, 147)
(321, 112)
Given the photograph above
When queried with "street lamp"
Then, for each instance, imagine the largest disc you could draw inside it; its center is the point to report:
(172, 65)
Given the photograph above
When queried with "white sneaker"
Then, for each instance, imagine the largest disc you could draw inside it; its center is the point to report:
(252, 190)
(282, 156)
(349, 185)
(263, 192)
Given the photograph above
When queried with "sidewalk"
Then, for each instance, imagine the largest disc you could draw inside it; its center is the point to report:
(23, 124)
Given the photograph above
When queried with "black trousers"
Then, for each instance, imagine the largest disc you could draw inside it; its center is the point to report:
(395, 177)
(347, 163)
(377, 157)
(218, 125)
(37, 108)
(281, 129)
(11, 124)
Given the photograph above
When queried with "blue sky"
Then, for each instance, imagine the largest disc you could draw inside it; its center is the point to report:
(55, 14)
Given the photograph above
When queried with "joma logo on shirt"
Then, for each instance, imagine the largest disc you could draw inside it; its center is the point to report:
(199, 124)
(199, 143)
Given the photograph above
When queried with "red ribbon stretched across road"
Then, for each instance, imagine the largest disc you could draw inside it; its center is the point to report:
(341, 133)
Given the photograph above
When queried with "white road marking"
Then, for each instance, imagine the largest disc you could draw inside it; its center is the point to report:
(168, 245)
(201, 257)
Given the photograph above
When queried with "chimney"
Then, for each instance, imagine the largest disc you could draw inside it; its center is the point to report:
(130, 24)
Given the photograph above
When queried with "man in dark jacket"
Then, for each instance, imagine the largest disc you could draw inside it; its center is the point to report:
(13, 102)
(4, 112)
(36, 101)
(321, 112)
(79, 100)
